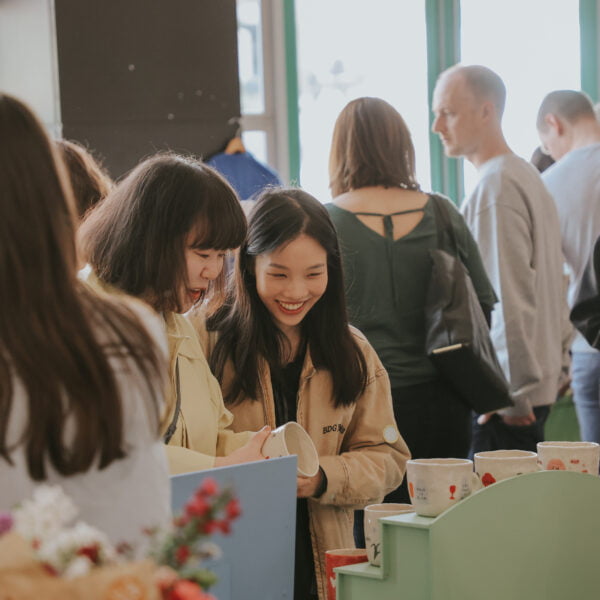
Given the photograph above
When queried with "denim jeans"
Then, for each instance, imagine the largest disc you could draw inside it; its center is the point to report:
(585, 373)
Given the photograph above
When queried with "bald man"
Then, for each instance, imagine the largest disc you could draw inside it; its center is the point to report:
(570, 133)
(513, 219)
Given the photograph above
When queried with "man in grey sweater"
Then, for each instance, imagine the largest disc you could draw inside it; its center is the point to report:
(513, 219)
(570, 133)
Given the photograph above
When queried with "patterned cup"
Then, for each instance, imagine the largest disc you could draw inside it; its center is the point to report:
(341, 558)
(291, 438)
(373, 513)
(582, 457)
(436, 484)
(501, 464)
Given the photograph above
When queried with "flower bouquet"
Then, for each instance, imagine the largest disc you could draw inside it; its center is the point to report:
(45, 554)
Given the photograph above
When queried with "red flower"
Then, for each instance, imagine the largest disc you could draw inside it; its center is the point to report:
(197, 507)
(181, 521)
(209, 527)
(187, 590)
(182, 554)
(233, 509)
(50, 569)
(209, 487)
(488, 479)
(224, 526)
(91, 552)
(124, 549)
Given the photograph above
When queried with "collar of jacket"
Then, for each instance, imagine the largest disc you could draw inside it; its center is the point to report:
(181, 338)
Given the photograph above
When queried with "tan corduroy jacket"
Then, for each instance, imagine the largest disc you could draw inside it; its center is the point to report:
(360, 448)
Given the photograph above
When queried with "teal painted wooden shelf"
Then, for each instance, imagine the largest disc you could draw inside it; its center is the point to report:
(532, 537)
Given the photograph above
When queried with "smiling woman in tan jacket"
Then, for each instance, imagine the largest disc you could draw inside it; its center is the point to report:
(282, 350)
(160, 236)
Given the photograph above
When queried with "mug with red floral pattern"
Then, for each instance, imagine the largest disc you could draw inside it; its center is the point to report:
(496, 465)
(582, 457)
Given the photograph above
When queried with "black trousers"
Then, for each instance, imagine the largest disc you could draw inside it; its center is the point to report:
(496, 435)
(435, 423)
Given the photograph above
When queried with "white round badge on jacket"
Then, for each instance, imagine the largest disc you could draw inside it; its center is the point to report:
(390, 434)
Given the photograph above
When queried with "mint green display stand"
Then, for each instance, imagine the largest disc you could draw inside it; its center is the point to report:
(562, 421)
(531, 537)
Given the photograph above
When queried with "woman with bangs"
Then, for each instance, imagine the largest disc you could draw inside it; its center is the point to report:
(163, 235)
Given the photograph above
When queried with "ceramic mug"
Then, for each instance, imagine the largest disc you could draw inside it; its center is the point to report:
(289, 439)
(373, 513)
(436, 484)
(496, 465)
(582, 457)
(341, 558)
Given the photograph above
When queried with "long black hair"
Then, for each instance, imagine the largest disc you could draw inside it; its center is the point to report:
(247, 331)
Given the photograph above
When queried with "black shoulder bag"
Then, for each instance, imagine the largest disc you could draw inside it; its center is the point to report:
(457, 335)
(585, 314)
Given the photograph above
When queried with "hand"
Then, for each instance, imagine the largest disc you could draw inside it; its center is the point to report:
(483, 419)
(521, 421)
(250, 452)
(564, 387)
(308, 486)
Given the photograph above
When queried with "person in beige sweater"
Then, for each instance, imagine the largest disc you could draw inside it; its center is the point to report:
(282, 350)
(159, 236)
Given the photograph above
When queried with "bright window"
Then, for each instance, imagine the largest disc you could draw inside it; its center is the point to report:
(534, 46)
(348, 49)
(250, 56)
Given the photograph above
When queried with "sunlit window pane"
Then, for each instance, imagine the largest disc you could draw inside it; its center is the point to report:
(353, 48)
(256, 143)
(250, 56)
(534, 47)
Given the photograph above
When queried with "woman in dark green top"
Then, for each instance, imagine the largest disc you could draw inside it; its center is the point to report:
(386, 227)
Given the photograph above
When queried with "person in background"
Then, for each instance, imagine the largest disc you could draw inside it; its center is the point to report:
(162, 235)
(90, 182)
(247, 175)
(82, 376)
(386, 226)
(570, 133)
(282, 350)
(513, 219)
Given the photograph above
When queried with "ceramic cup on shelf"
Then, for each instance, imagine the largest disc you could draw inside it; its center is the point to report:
(341, 558)
(582, 457)
(373, 513)
(291, 438)
(496, 465)
(436, 484)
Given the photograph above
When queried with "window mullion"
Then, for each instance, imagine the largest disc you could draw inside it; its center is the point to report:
(443, 51)
(588, 23)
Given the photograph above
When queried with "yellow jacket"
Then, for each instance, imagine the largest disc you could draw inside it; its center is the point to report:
(360, 448)
(203, 427)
